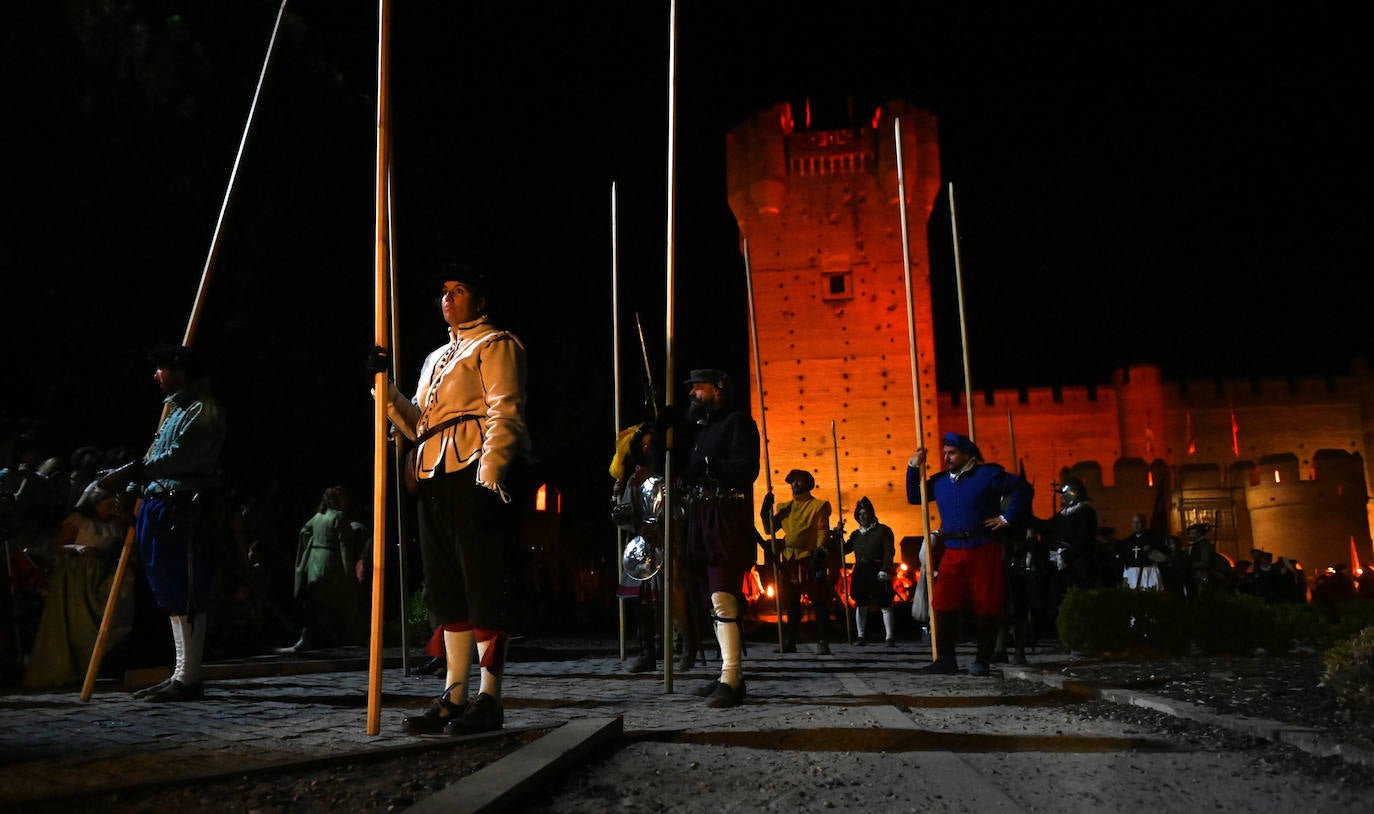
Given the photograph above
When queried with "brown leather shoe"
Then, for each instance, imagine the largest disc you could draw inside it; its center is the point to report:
(176, 691)
(484, 714)
(158, 687)
(432, 722)
(705, 690)
(726, 696)
(645, 663)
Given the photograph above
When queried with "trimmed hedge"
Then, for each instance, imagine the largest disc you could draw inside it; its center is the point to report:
(1121, 620)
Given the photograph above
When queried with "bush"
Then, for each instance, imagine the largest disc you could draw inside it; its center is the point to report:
(1120, 620)
(1350, 671)
(1237, 624)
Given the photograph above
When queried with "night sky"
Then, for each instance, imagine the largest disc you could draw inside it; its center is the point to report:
(1185, 186)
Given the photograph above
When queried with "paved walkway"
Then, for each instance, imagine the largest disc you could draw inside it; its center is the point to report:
(272, 710)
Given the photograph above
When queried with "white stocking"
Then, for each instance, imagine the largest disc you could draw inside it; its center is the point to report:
(458, 657)
(887, 624)
(180, 637)
(861, 619)
(728, 637)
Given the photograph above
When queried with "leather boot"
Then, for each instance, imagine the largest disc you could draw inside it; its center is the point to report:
(987, 640)
(646, 661)
(947, 637)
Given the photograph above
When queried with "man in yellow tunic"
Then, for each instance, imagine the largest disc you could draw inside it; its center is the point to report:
(804, 556)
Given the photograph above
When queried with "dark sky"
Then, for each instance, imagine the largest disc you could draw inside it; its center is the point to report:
(1186, 186)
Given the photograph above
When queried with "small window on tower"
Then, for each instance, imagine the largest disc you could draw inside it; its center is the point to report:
(837, 285)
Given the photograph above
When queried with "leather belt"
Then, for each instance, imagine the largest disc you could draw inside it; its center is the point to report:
(443, 425)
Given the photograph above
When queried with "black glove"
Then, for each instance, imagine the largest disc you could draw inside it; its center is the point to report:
(378, 361)
(767, 507)
(622, 514)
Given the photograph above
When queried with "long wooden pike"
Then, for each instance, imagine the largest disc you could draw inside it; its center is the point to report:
(382, 335)
(670, 342)
(763, 432)
(398, 449)
(839, 509)
(615, 409)
(963, 323)
(98, 650)
(1011, 431)
(927, 558)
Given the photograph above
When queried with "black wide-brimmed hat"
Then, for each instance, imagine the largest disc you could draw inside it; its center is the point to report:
(709, 375)
(178, 357)
(475, 280)
(802, 478)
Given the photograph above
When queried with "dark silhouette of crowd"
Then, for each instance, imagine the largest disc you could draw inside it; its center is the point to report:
(63, 537)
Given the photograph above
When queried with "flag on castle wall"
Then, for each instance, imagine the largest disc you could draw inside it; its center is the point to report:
(1235, 434)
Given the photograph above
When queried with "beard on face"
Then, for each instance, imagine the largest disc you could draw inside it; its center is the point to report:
(696, 410)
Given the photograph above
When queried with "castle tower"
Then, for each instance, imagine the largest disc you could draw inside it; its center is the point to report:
(820, 212)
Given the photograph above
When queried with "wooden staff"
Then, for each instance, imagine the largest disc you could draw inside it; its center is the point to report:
(398, 459)
(763, 432)
(1011, 431)
(928, 553)
(670, 372)
(615, 410)
(963, 324)
(382, 322)
(98, 650)
(839, 509)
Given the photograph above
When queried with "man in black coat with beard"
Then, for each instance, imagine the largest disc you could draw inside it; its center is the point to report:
(718, 481)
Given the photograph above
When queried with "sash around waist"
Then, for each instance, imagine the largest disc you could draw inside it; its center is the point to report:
(445, 424)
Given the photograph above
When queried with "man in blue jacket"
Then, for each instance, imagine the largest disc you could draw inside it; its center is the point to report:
(977, 500)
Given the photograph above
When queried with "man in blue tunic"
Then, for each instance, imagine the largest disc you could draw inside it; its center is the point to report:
(977, 500)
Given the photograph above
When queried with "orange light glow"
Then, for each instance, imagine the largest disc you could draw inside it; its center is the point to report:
(877, 117)
(542, 499)
(1277, 478)
(753, 585)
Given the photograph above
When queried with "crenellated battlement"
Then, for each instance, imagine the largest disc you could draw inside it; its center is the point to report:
(820, 211)
(1268, 391)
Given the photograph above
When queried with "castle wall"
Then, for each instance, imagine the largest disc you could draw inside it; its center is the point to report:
(821, 216)
(1052, 429)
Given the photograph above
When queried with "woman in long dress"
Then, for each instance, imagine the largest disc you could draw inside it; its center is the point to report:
(86, 551)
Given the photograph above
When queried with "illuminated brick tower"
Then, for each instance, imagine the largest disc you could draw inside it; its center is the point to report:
(820, 212)
(1280, 465)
